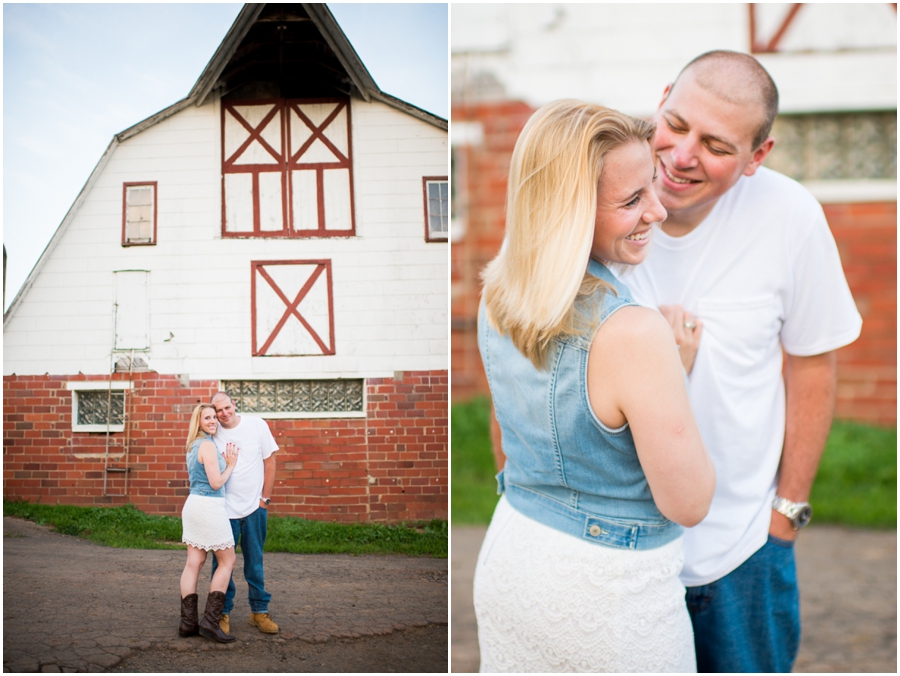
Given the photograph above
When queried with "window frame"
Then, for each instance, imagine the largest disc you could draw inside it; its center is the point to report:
(138, 184)
(96, 386)
(286, 165)
(425, 181)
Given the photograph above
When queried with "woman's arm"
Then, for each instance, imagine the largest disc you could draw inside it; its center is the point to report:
(208, 457)
(634, 374)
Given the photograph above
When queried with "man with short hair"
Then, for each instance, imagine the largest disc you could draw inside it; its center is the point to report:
(747, 253)
(248, 493)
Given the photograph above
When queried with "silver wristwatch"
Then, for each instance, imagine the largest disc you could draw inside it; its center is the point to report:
(798, 512)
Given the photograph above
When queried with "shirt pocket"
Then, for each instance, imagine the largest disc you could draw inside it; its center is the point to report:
(743, 332)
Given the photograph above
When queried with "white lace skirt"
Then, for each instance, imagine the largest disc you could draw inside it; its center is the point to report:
(205, 524)
(549, 602)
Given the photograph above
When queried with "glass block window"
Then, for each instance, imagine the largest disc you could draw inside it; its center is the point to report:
(297, 398)
(139, 214)
(91, 401)
(437, 208)
(835, 146)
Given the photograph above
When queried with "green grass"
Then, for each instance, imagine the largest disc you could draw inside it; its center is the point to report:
(856, 484)
(473, 488)
(129, 528)
(857, 480)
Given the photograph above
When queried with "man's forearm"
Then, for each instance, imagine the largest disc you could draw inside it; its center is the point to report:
(811, 385)
(268, 476)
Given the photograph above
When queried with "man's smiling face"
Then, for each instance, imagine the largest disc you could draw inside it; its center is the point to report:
(703, 145)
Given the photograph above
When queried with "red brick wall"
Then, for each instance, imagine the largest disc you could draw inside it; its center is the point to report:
(866, 236)
(390, 466)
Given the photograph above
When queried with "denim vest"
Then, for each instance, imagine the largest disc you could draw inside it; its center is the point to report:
(197, 473)
(565, 468)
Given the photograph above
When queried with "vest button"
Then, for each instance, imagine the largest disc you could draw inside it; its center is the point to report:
(595, 530)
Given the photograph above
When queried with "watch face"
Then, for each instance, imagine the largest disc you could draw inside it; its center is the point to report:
(804, 516)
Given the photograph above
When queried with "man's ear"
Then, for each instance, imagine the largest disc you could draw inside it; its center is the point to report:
(666, 92)
(758, 156)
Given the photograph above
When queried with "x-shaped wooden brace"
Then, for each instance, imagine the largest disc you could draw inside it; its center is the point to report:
(318, 133)
(255, 134)
(292, 308)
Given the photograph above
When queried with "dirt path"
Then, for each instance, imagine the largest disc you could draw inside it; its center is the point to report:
(848, 600)
(70, 605)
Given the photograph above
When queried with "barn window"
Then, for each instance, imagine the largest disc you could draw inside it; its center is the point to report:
(437, 211)
(341, 398)
(139, 214)
(98, 406)
(287, 168)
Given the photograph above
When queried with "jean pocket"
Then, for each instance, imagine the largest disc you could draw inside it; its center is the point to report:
(778, 542)
(698, 598)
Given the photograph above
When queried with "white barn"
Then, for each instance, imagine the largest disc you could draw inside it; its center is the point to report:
(280, 233)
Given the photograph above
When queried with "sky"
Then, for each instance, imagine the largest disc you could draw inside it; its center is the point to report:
(74, 75)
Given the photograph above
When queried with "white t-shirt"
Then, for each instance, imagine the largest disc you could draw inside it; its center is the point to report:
(761, 271)
(256, 443)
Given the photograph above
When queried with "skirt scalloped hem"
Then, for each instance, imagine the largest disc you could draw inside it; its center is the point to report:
(207, 548)
(205, 523)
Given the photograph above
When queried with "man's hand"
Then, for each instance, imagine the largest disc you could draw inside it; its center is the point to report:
(782, 528)
(687, 338)
(262, 503)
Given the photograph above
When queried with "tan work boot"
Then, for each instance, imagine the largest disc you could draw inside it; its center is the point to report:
(263, 622)
(223, 623)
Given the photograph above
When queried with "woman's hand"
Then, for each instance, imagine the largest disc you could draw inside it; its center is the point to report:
(687, 329)
(231, 455)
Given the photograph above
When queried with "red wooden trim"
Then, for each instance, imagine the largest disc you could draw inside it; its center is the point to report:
(756, 46)
(125, 187)
(255, 134)
(285, 163)
(425, 179)
(317, 133)
(295, 165)
(321, 266)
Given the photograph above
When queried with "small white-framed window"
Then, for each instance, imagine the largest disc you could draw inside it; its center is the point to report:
(295, 399)
(437, 208)
(139, 214)
(98, 406)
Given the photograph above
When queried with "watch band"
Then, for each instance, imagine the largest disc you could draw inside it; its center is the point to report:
(798, 512)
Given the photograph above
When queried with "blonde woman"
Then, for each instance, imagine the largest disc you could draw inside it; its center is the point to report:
(206, 526)
(604, 462)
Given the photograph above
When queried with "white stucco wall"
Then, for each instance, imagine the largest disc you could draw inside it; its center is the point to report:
(835, 56)
(390, 286)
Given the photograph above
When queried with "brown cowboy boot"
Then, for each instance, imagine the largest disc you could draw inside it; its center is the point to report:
(189, 625)
(209, 623)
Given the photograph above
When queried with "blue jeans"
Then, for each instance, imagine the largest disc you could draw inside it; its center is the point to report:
(749, 620)
(250, 533)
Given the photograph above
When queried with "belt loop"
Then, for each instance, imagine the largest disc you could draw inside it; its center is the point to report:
(501, 484)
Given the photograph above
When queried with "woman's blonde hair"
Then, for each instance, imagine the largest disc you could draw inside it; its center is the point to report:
(194, 431)
(531, 287)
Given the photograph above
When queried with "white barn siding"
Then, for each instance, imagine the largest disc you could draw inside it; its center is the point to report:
(390, 286)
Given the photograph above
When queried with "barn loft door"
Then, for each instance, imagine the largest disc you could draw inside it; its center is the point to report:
(292, 308)
(287, 168)
(132, 311)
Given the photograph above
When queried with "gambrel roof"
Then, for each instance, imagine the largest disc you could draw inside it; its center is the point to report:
(309, 49)
(271, 49)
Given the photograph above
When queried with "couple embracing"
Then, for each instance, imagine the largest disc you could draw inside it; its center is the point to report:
(658, 333)
(231, 466)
